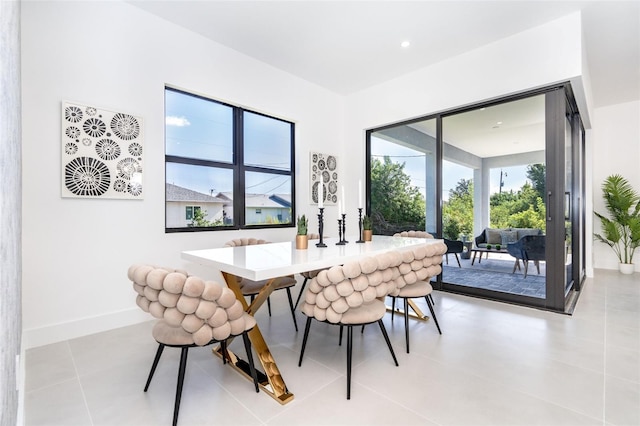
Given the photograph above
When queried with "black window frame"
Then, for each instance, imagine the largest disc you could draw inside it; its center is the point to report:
(238, 168)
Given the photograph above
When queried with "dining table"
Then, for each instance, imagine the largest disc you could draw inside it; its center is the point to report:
(270, 262)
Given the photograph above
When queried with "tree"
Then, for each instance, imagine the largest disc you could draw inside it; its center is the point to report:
(537, 174)
(200, 221)
(457, 212)
(393, 199)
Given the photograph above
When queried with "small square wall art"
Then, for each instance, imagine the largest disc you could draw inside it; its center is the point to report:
(101, 153)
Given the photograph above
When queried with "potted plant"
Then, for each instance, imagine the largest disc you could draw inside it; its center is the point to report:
(367, 230)
(498, 247)
(302, 241)
(621, 231)
(489, 246)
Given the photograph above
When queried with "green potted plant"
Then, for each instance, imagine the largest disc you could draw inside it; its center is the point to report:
(621, 231)
(498, 247)
(302, 241)
(367, 229)
(489, 247)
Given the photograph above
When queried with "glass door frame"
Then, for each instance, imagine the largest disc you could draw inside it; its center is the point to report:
(559, 101)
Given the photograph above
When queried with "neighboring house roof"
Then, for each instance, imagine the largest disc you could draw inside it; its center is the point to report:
(282, 199)
(261, 200)
(178, 193)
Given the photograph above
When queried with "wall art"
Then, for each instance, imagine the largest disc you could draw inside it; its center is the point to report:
(325, 167)
(101, 153)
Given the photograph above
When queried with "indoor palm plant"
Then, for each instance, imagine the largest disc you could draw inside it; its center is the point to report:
(621, 231)
(302, 240)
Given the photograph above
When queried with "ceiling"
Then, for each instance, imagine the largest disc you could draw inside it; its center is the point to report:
(347, 46)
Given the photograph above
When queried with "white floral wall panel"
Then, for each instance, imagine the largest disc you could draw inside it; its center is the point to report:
(325, 167)
(101, 153)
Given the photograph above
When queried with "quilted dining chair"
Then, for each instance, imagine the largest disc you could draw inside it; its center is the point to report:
(432, 261)
(191, 312)
(251, 288)
(307, 275)
(351, 295)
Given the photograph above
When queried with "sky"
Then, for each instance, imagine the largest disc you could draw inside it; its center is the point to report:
(513, 177)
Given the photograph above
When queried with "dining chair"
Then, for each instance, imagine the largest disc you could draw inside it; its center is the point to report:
(308, 274)
(351, 295)
(252, 288)
(192, 312)
(420, 287)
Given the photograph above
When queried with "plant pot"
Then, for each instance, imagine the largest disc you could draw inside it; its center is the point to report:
(367, 234)
(302, 242)
(626, 268)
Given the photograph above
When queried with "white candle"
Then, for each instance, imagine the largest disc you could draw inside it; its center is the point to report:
(339, 209)
(320, 193)
(342, 188)
(360, 193)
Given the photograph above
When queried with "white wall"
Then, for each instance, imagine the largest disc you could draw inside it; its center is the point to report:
(616, 150)
(535, 58)
(113, 55)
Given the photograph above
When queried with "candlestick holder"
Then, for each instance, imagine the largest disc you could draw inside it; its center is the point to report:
(321, 227)
(344, 228)
(340, 241)
(360, 240)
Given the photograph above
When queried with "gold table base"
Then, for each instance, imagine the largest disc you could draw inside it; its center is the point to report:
(272, 382)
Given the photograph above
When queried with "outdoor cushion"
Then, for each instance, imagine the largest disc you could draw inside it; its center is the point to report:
(493, 236)
(508, 236)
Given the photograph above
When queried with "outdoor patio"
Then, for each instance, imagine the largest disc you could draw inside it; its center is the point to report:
(495, 273)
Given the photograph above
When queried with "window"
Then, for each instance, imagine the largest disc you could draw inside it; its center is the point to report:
(236, 164)
(191, 212)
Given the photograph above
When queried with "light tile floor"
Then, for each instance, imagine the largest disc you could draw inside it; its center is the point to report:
(495, 364)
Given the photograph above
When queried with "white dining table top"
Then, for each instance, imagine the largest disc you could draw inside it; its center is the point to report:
(264, 261)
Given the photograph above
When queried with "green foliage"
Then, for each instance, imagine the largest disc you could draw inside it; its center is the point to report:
(200, 221)
(537, 174)
(302, 225)
(457, 212)
(522, 209)
(621, 231)
(366, 223)
(393, 197)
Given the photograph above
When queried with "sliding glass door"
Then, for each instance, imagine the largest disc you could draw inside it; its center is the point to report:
(502, 183)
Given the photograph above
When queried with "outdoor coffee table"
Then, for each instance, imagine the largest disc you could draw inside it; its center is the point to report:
(482, 250)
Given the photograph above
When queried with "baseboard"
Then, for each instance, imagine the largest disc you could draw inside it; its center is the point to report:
(54, 333)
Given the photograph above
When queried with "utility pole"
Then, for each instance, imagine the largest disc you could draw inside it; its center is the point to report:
(501, 180)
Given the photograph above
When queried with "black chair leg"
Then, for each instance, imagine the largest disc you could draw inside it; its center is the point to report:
(340, 338)
(181, 372)
(458, 259)
(393, 306)
(269, 305)
(225, 352)
(293, 309)
(406, 322)
(155, 364)
(252, 367)
(304, 340)
(349, 358)
(304, 283)
(433, 314)
(431, 298)
(386, 338)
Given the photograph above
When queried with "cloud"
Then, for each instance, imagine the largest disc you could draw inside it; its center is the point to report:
(177, 121)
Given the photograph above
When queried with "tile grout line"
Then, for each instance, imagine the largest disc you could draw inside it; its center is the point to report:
(84, 397)
(604, 356)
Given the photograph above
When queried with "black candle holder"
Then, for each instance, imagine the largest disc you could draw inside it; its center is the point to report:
(360, 240)
(321, 227)
(340, 241)
(344, 228)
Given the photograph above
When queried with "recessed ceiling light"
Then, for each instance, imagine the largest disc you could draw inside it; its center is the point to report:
(405, 43)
